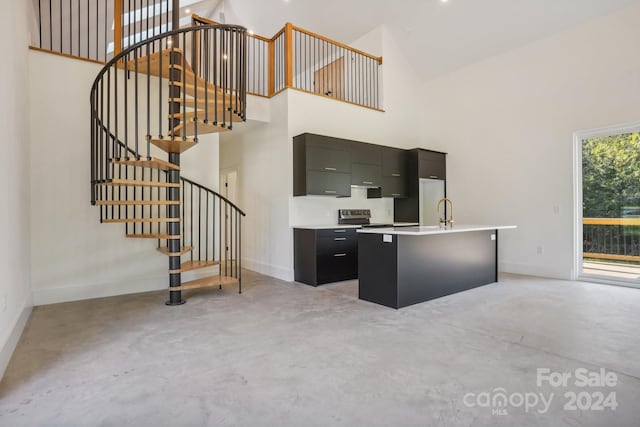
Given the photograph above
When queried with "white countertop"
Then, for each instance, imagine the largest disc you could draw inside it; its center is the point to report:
(328, 226)
(422, 231)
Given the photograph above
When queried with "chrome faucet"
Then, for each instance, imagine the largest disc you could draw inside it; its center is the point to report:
(444, 221)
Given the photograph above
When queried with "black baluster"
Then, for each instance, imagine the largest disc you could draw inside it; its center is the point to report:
(149, 101)
(126, 106)
(191, 222)
(206, 216)
(135, 103)
(50, 26)
(60, 23)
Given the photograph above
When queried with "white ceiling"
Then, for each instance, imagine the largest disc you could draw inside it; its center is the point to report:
(437, 37)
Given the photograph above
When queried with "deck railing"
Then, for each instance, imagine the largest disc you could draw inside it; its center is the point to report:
(615, 239)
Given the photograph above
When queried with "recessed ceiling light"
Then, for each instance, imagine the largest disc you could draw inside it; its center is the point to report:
(187, 11)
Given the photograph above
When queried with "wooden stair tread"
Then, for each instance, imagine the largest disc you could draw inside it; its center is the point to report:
(143, 220)
(137, 183)
(190, 89)
(206, 282)
(183, 250)
(191, 102)
(221, 114)
(136, 202)
(152, 64)
(190, 128)
(152, 163)
(194, 265)
(176, 145)
(161, 236)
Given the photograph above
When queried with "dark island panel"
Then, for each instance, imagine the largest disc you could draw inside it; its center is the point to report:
(377, 269)
(415, 268)
(434, 266)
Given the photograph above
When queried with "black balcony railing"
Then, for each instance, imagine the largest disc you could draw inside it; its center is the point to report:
(611, 238)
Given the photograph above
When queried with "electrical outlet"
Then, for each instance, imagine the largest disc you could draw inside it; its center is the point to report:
(556, 210)
(4, 303)
(540, 250)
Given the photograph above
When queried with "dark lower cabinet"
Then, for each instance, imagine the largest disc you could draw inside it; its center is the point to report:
(325, 256)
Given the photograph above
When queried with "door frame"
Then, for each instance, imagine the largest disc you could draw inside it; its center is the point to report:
(578, 137)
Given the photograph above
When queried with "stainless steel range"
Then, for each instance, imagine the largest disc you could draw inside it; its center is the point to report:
(358, 217)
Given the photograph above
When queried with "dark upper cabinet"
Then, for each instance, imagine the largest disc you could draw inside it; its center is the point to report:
(394, 187)
(328, 184)
(419, 164)
(366, 175)
(328, 159)
(432, 164)
(369, 154)
(321, 166)
(329, 166)
(394, 162)
(394, 172)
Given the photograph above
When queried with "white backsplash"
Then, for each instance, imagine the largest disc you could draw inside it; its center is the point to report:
(320, 210)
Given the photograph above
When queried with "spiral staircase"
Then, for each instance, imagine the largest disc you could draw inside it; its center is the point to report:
(150, 104)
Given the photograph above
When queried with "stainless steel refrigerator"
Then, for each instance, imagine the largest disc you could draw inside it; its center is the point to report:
(431, 191)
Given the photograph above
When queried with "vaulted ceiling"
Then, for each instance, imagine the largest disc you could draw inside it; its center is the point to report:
(437, 36)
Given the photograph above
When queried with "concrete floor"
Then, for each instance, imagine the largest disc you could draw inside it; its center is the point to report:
(285, 354)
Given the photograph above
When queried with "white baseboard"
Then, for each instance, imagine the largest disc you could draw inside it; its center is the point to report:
(16, 332)
(101, 290)
(537, 270)
(268, 269)
(77, 293)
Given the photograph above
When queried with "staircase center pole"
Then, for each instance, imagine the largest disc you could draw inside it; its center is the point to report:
(173, 211)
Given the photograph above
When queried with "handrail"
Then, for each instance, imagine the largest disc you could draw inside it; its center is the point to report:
(229, 202)
(303, 60)
(148, 41)
(610, 239)
(124, 85)
(200, 20)
(145, 97)
(611, 221)
(233, 205)
(337, 43)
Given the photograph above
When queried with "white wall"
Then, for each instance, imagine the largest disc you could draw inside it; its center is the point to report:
(15, 286)
(73, 256)
(507, 123)
(263, 155)
(258, 152)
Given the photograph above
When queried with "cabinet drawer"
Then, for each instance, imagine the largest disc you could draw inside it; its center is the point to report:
(328, 159)
(337, 245)
(368, 175)
(337, 267)
(339, 232)
(328, 183)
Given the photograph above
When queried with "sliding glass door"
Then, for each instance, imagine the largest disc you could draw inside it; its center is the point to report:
(610, 206)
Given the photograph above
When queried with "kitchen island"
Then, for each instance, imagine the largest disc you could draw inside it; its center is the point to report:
(398, 267)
